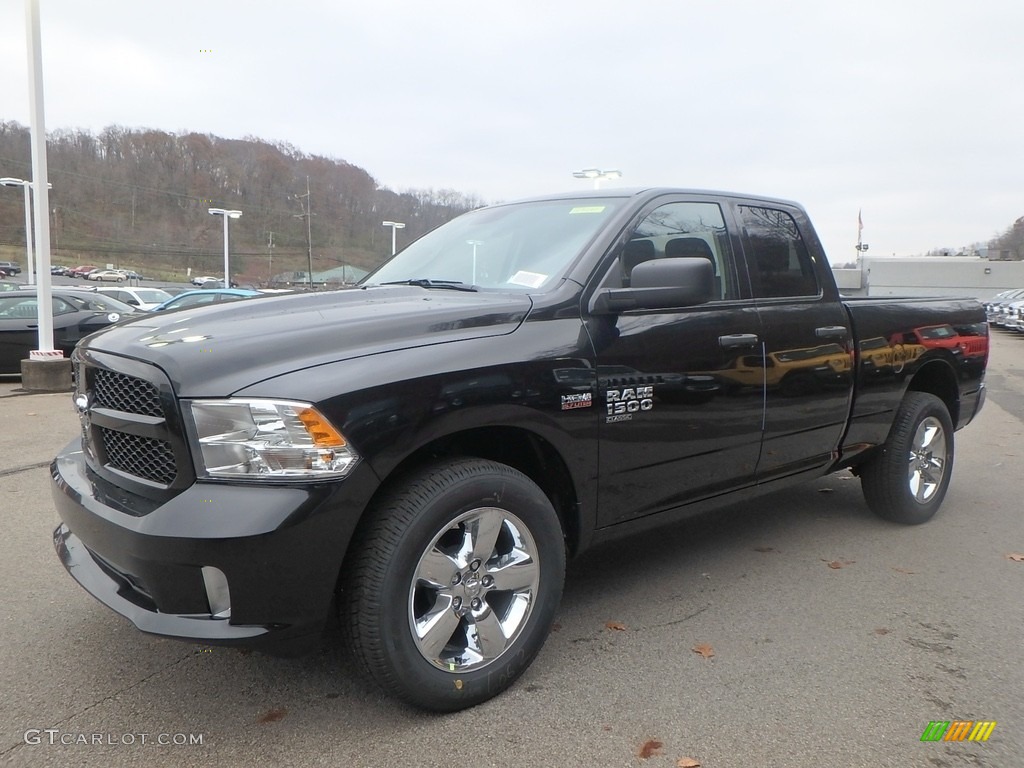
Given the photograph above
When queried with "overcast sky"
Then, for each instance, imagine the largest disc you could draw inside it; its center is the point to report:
(910, 110)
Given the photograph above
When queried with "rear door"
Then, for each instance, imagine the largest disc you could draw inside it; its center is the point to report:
(677, 421)
(807, 339)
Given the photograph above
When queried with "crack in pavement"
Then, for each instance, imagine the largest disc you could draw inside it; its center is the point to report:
(25, 468)
(104, 700)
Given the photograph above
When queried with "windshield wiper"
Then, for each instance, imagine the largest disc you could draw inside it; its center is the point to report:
(423, 282)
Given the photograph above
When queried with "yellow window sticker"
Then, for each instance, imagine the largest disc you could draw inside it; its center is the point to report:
(587, 209)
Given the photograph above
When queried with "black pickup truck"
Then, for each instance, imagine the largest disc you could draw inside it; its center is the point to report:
(418, 456)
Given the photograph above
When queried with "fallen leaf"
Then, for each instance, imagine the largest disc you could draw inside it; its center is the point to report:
(1016, 557)
(687, 762)
(618, 626)
(555, 627)
(606, 727)
(765, 549)
(272, 716)
(837, 564)
(650, 748)
(881, 631)
(704, 650)
(904, 570)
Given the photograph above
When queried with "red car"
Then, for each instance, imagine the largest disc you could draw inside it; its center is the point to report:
(944, 337)
(81, 271)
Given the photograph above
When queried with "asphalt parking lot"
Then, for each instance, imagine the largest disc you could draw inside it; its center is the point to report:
(829, 638)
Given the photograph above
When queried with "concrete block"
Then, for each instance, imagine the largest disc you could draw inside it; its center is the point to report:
(46, 375)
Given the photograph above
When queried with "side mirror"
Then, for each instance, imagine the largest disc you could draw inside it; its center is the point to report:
(660, 284)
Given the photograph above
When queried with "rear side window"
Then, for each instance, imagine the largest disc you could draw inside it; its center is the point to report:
(779, 262)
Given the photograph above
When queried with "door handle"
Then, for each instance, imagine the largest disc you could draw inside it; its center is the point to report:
(734, 340)
(831, 332)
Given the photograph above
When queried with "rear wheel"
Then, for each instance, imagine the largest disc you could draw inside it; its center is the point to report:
(454, 583)
(907, 481)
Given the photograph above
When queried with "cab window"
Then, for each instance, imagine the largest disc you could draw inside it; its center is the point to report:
(779, 262)
(682, 230)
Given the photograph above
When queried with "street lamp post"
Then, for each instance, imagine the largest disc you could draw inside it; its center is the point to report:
(7, 181)
(395, 226)
(227, 215)
(474, 243)
(597, 175)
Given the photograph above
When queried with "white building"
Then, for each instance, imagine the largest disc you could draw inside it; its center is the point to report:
(930, 276)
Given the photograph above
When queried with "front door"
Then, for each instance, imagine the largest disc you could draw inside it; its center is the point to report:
(680, 420)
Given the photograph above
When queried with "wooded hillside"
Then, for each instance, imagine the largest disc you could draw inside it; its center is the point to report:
(139, 198)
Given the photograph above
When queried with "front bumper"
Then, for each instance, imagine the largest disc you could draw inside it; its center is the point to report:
(279, 547)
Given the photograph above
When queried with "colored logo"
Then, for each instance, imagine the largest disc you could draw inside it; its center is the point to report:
(958, 730)
(584, 400)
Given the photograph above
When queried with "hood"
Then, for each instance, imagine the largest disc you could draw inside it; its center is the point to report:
(215, 351)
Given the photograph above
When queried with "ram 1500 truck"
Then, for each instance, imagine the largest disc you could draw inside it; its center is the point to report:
(418, 456)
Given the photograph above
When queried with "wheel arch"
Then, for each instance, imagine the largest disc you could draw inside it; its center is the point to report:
(518, 447)
(938, 378)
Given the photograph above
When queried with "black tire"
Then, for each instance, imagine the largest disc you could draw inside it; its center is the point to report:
(907, 480)
(432, 558)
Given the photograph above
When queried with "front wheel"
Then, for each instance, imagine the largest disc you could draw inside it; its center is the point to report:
(907, 481)
(453, 584)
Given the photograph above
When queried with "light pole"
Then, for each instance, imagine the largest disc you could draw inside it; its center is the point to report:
(395, 226)
(597, 175)
(474, 243)
(307, 214)
(227, 215)
(7, 181)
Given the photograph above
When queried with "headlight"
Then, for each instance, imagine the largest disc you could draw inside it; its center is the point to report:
(268, 440)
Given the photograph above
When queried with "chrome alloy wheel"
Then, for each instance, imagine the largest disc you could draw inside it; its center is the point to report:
(473, 589)
(927, 460)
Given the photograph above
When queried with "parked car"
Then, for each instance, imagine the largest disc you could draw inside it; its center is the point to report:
(204, 279)
(217, 284)
(418, 456)
(81, 271)
(143, 298)
(9, 268)
(996, 306)
(76, 314)
(57, 269)
(1012, 317)
(201, 298)
(107, 275)
(7, 285)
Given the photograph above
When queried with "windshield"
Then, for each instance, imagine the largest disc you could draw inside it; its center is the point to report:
(937, 332)
(524, 246)
(152, 295)
(98, 303)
